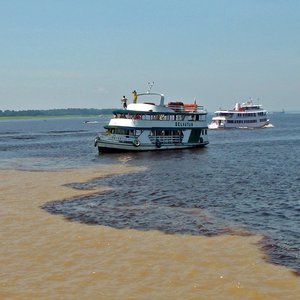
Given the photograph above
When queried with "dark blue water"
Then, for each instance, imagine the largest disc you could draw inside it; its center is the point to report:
(245, 181)
(48, 144)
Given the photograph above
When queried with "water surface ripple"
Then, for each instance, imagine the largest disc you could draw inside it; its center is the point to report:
(245, 181)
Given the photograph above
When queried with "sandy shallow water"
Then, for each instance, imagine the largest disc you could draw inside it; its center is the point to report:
(44, 256)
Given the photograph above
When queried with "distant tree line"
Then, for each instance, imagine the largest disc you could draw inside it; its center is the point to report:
(55, 112)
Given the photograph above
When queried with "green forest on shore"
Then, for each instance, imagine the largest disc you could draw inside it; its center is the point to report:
(55, 112)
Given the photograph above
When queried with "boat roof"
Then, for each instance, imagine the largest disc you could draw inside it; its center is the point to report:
(155, 128)
(242, 107)
(171, 112)
(148, 93)
(232, 111)
(149, 108)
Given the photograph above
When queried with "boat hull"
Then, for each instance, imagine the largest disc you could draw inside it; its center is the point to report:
(122, 147)
(232, 126)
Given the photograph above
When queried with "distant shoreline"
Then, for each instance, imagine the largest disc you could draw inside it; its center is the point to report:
(6, 115)
(53, 113)
(46, 117)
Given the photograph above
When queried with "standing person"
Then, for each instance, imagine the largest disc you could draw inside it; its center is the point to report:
(124, 102)
(134, 93)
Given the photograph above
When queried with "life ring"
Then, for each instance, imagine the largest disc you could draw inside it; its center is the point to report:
(158, 144)
(136, 143)
(97, 139)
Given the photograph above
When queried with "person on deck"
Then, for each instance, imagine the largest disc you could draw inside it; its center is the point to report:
(134, 93)
(124, 102)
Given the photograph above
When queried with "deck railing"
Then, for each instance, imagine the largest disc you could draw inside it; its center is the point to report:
(164, 139)
(172, 139)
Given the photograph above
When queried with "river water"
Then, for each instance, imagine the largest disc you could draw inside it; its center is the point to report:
(245, 182)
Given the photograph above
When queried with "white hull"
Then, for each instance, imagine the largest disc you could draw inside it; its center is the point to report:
(214, 125)
(148, 139)
(146, 147)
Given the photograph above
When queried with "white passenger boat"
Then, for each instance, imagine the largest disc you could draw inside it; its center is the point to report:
(144, 126)
(244, 115)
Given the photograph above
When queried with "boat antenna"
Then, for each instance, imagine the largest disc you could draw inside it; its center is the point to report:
(150, 84)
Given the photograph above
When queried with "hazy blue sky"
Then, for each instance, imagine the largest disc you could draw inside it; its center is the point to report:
(89, 53)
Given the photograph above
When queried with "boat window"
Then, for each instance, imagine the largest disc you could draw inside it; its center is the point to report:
(122, 131)
(154, 117)
(137, 117)
(120, 116)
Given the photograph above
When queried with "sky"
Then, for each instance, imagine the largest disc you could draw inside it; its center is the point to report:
(89, 53)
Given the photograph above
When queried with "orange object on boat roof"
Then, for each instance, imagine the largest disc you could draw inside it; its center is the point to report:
(176, 103)
(190, 107)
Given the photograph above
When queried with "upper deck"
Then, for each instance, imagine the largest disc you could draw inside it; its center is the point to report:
(150, 107)
(247, 107)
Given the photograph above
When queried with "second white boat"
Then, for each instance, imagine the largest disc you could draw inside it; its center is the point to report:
(244, 115)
